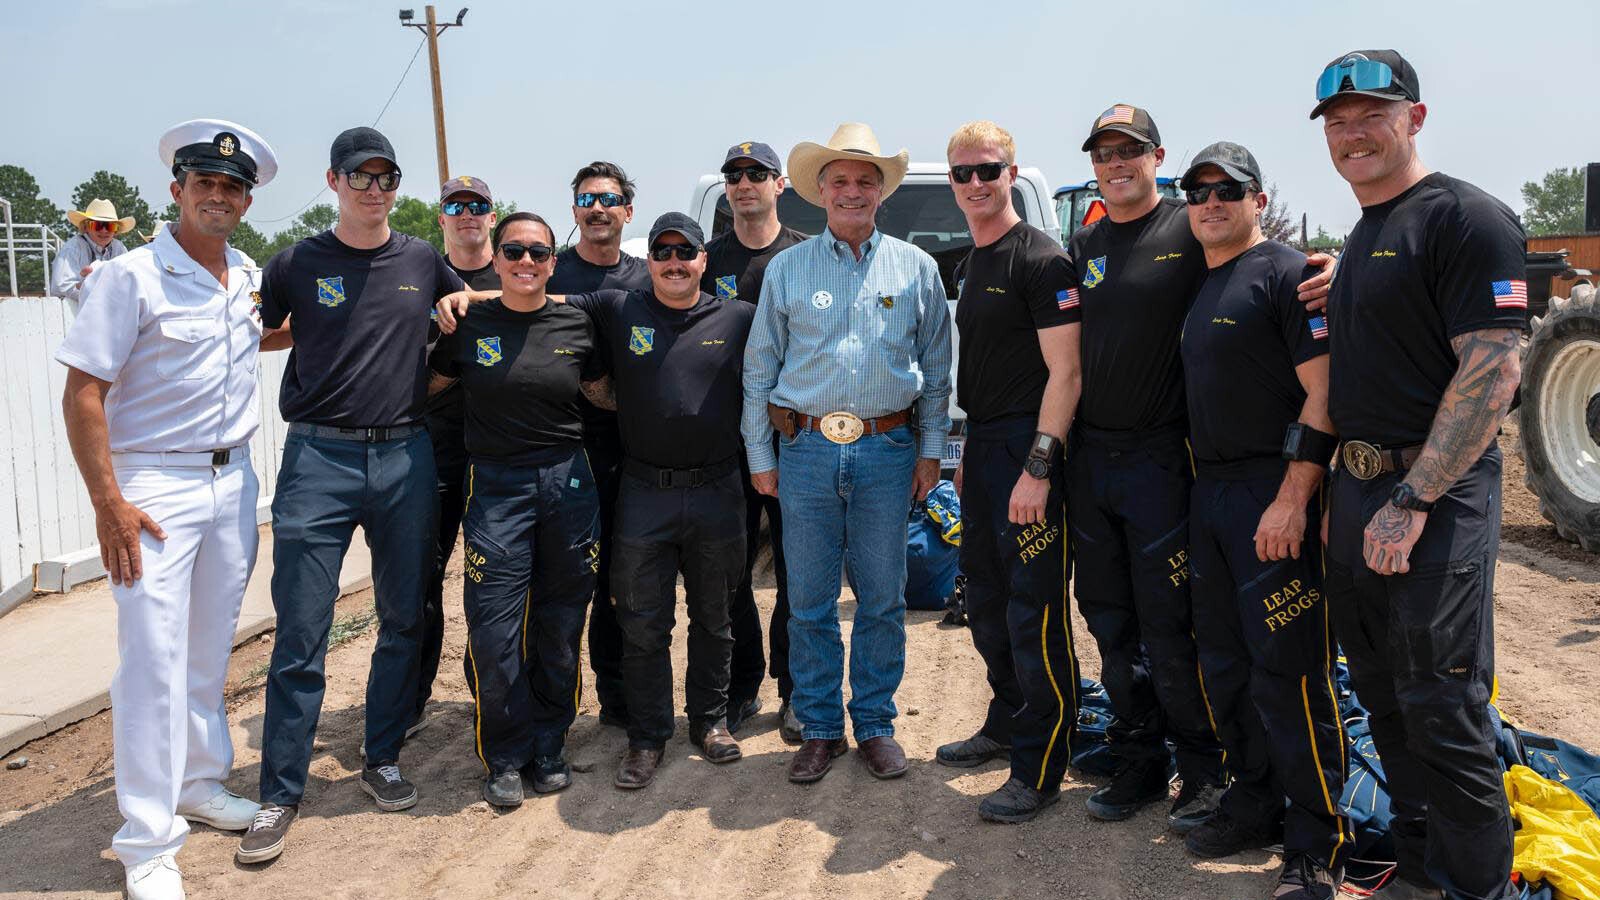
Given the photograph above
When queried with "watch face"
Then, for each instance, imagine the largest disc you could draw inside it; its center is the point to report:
(1036, 467)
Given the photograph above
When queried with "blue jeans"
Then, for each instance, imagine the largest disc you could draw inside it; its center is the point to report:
(326, 487)
(846, 504)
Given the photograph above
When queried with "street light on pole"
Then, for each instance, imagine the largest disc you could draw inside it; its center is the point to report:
(433, 29)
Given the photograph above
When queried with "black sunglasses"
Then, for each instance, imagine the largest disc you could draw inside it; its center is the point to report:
(684, 252)
(985, 171)
(756, 174)
(1121, 151)
(608, 199)
(1227, 191)
(536, 252)
(360, 181)
(476, 207)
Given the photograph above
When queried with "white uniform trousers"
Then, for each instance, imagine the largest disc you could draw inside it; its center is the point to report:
(175, 629)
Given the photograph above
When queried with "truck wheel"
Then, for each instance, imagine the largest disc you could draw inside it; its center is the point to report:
(1560, 376)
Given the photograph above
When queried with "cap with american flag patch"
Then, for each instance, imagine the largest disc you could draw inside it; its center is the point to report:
(1129, 120)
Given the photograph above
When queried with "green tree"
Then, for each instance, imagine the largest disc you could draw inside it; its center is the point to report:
(250, 242)
(1277, 222)
(124, 196)
(1324, 242)
(419, 219)
(1555, 204)
(20, 188)
(313, 221)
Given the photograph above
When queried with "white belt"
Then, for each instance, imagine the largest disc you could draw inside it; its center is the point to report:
(194, 460)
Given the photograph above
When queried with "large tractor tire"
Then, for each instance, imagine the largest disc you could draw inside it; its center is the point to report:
(1560, 381)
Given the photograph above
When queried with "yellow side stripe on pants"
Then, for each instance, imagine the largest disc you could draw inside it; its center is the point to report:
(1316, 760)
(1072, 665)
(477, 705)
(1211, 717)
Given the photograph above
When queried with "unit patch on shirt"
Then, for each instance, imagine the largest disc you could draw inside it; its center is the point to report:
(642, 340)
(330, 291)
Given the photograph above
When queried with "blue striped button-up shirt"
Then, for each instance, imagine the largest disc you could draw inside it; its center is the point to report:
(834, 333)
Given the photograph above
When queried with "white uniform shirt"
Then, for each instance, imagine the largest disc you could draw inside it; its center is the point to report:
(179, 350)
(76, 253)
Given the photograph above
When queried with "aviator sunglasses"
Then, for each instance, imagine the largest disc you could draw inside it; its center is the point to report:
(1227, 191)
(988, 171)
(608, 199)
(475, 207)
(535, 252)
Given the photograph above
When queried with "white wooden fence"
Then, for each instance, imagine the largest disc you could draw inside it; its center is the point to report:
(44, 510)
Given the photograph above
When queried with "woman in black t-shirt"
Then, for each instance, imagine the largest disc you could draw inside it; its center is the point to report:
(531, 525)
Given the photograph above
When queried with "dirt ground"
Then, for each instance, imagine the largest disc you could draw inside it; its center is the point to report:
(739, 830)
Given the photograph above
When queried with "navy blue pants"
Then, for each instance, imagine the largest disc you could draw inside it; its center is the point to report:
(1128, 513)
(605, 635)
(1266, 650)
(450, 461)
(1421, 654)
(698, 531)
(326, 487)
(1017, 605)
(531, 555)
(749, 662)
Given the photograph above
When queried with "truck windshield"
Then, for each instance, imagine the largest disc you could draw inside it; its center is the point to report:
(923, 214)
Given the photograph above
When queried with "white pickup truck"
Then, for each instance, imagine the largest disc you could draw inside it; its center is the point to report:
(923, 211)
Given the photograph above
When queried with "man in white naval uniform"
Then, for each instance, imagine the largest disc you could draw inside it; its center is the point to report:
(160, 405)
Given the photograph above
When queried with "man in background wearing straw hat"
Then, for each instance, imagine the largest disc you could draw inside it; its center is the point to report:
(95, 242)
(160, 406)
(849, 351)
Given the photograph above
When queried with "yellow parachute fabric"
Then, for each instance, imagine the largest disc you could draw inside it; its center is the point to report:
(1558, 835)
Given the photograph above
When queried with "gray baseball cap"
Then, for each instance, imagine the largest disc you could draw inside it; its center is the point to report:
(1231, 158)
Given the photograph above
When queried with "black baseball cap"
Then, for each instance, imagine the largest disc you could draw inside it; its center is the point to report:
(464, 184)
(752, 150)
(1233, 159)
(1129, 120)
(354, 146)
(1384, 74)
(682, 224)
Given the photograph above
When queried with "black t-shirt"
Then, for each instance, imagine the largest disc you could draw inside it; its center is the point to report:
(445, 410)
(520, 373)
(1010, 290)
(1246, 332)
(361, 322)
(1440, 260)
(734, 271)
(576, 275)
(1135, 280)
(677, 374)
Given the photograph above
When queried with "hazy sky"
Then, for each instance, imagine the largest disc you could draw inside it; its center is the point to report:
(533, 90)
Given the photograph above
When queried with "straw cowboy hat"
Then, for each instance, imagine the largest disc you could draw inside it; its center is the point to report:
(101, 211)
(852, 140)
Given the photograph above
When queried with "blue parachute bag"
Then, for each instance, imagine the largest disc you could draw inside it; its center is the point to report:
(933, 548)
(1091, 749)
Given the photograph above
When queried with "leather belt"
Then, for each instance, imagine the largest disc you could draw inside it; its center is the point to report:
(190, 460)
(1367, 461)
(839, 427)
(363, 435)
(679, 478)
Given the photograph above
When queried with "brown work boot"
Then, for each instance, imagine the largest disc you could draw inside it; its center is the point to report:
(883, 757)
(716, 744)
(814, 759)
(638, 768)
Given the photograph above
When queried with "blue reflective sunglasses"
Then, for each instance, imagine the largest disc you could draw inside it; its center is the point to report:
(1363, 74)
(476, 207)
(608, 199)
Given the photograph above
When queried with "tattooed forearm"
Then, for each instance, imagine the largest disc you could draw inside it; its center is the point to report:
(599, 392)
(1471, 410)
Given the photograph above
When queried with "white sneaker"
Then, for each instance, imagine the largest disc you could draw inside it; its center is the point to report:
(227, 811)
(157, 879)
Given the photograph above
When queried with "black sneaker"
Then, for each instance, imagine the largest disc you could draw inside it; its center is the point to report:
(1135, 786)
(742, 712)
(1197, 801)
(391, 792)
(974, 751)
(1224, 835)
(504, 790)
(548, 774)
(1303, 878)
(267, 833)
(1016, 802)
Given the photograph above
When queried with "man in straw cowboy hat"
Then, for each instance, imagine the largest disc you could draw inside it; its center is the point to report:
(95, 242)
(849, 360)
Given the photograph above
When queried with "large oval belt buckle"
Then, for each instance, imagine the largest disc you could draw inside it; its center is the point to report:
(1362, 460)
(842, 427)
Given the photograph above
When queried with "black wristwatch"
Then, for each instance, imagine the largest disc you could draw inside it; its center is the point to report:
(1404, 496)
(1043, 450)
(1036, 467)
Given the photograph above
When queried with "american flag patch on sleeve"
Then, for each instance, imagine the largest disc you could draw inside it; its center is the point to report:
(1511, 294)
(1067, 299)
(1318, 326)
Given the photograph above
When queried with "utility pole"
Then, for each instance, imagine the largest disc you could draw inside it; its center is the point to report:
(433, 29)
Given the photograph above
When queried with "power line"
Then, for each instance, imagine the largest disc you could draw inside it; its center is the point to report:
(392, 94)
